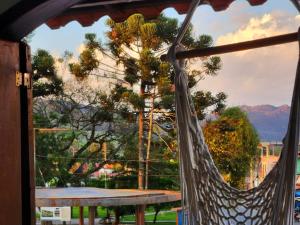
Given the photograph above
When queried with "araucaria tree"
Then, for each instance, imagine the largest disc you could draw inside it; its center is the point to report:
(233, 142)
(45, 79)
(135, 46)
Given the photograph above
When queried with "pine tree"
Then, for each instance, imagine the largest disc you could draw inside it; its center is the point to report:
(136, 45)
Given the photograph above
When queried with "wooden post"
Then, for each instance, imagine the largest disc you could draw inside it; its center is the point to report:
(16, 140)
(140, 214)
(81, 216)
(117, 216)
(46, 223)
(92, 213)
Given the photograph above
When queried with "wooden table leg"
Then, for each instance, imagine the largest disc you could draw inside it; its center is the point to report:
(92, 212)
(81, 216)
(46, 223)
(140, 214)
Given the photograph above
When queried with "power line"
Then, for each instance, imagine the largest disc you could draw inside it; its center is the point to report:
(110, 160)
(109, 66)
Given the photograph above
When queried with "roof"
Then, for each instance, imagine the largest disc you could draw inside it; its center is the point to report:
(87, 12)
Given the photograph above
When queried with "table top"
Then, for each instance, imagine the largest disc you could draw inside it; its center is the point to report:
(86, 196)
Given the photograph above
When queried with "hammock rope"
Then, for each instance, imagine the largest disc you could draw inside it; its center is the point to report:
(206, 197)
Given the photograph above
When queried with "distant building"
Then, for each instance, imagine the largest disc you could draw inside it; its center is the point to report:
(269, 155)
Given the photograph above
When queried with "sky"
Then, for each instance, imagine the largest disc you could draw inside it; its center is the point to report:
(253, 77)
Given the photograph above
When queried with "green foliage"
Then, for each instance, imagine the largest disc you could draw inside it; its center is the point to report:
(212, 65)
(167, 28)
(52, 159)
(205, 100)
(136, 45)
(131, 71)
(43, 65)
(167, 101)
(45, 80)
(87, 60)
(233, 143)
(70, 156)
(203, 41)
(142, 38)
(136, 100)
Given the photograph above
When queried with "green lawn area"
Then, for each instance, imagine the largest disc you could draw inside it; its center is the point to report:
(100, 210)
(130, 219)
(157, 223)
(162, 216)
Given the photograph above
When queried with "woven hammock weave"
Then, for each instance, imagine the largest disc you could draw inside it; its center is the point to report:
(207, 199)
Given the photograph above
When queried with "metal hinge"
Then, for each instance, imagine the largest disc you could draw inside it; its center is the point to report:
(23, 79)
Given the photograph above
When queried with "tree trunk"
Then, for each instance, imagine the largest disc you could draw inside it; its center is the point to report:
(149, 140)
(141, 142)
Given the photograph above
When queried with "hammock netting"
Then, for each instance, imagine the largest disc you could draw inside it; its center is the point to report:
(207, 198)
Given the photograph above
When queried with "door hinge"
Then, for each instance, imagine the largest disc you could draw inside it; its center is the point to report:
(23, 79)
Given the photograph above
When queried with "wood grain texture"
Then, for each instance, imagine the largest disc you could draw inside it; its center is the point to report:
(27, 161)
(10, 145)
(92, 214)
(104, 197)
(235, 47)
(140, 214)
(81, 216)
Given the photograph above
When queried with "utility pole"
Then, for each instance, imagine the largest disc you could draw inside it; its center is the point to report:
(141, 142)
(149, 140)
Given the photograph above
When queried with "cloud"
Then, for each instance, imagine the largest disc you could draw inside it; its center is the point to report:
(259, 76)
(260, 27)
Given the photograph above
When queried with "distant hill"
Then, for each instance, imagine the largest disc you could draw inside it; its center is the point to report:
(270, 121)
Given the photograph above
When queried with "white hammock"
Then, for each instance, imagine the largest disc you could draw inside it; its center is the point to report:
(206, 197)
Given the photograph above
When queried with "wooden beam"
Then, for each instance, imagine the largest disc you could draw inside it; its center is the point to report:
(241, 46)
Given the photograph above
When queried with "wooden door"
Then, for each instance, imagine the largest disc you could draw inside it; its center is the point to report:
(16, 137)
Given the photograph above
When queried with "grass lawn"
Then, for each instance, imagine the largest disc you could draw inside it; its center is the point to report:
(100, 210)
(162, 216)
(157, 223)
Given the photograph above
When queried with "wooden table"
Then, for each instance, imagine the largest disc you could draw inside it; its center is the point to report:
(93, 197)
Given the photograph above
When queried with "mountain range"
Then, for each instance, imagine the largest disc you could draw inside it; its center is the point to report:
(270, 121)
